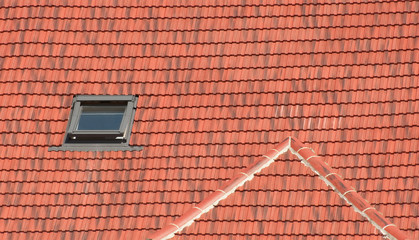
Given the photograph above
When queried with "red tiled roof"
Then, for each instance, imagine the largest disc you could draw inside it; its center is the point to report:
(219, 84)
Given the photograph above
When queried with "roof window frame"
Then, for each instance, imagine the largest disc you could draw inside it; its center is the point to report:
(99, 140)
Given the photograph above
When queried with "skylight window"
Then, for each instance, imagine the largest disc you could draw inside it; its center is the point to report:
(99, 117)
(99, 123)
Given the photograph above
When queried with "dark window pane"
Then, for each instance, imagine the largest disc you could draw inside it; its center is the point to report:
(101, 117)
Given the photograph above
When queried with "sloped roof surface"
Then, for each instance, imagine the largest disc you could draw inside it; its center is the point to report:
(219, 84)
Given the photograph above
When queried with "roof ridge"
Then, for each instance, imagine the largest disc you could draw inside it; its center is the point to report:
(223, 192)
(309, 158)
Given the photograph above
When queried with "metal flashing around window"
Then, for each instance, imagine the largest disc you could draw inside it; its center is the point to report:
(100, 123)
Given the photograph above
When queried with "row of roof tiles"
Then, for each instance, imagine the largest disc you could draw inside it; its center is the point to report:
(181, 201)
(248, 9)
(210, 35)
(237, 138)
(331, 111)
(337, 126)
(234, 100)
(359, 176)
(211, 48)
(321, 214)
(267, 227)
(230, 87)
(200, 3)
(350, 49)
(336, 70)
(219, 149)
(215, 74)
(292, 183)
(354, 164)
(378, 58)
(234, 141)
(275, 21)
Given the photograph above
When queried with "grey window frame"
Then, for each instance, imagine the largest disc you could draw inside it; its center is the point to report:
(99, 140)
